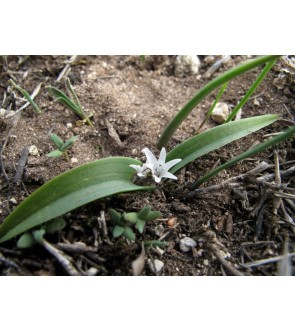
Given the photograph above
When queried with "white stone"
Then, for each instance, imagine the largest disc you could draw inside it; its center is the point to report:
(156, 265)
(220, 112)
(186, 244)
(69, 125)
(187, 65)
(33, 151)
(2, 112)
(74, 160)
(13, 201)
(159, 230)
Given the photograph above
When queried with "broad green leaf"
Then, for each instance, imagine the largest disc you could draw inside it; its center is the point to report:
(56, 140)
(217, 137)
(69, 142)
(118, 231)
(55, 154)
(70, 190)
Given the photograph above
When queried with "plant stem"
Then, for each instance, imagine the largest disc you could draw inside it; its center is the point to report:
(206, 90)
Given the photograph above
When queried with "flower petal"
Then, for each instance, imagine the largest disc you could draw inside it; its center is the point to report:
(171, 163)
(162, 157)
(151, 159)
(169, 176)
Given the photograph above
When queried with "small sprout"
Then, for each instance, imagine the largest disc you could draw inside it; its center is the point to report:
(27, 96)
(72, 103)
(61, 146)
(159, 168)
(28, 239)
(123, 223)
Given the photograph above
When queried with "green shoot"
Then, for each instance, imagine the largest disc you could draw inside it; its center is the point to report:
(212, 107)
(28, 239)
(206, 90)
(123, 223)
(255, 85)
(61, 146)
(72, 103)
(258, 148)
(27, 96)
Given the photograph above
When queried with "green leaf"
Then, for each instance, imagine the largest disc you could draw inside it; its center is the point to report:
(258, 148)
(206, 90)
(131, 217)
(153, 215)
(118, 231)
(57, 141)
(144, 212)
(54, 154)
(69, 142)
(69, 191)
(27, 240)
(217, 137)
(38, 234)
(55, 225)
(27, 96)
(115, 217)
(155, 243)
(129, 234)
(140, 225)
(63, 99)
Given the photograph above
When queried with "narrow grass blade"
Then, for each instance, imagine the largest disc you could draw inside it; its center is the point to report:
(27, 96)
(212, 107)
(70, 190)
(206, 90)
(255, 85)
(69, 142)
(57, 141)
(259, 148)
(215, 138)
(63, 99)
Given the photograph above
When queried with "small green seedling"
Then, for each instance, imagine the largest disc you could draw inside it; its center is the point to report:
(28, 239)
(61, 146)
(27, 96)
(72, 103)
(123, 223)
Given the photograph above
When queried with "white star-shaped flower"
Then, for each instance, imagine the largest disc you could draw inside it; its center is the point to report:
(159, 168)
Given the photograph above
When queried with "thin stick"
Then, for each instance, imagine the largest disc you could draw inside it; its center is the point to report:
(267, 260)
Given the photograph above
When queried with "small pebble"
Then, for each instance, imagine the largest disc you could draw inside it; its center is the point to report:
(171, 222)
(92, 271)
(159, 230)
(186, 244)
(2, 112)
(74, 160)
(220, 112)
(33, 151)
(13, 201)
(187, 65)
(69, 125)
(156, 265)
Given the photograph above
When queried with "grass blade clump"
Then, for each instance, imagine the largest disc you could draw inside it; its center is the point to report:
(72, 103)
